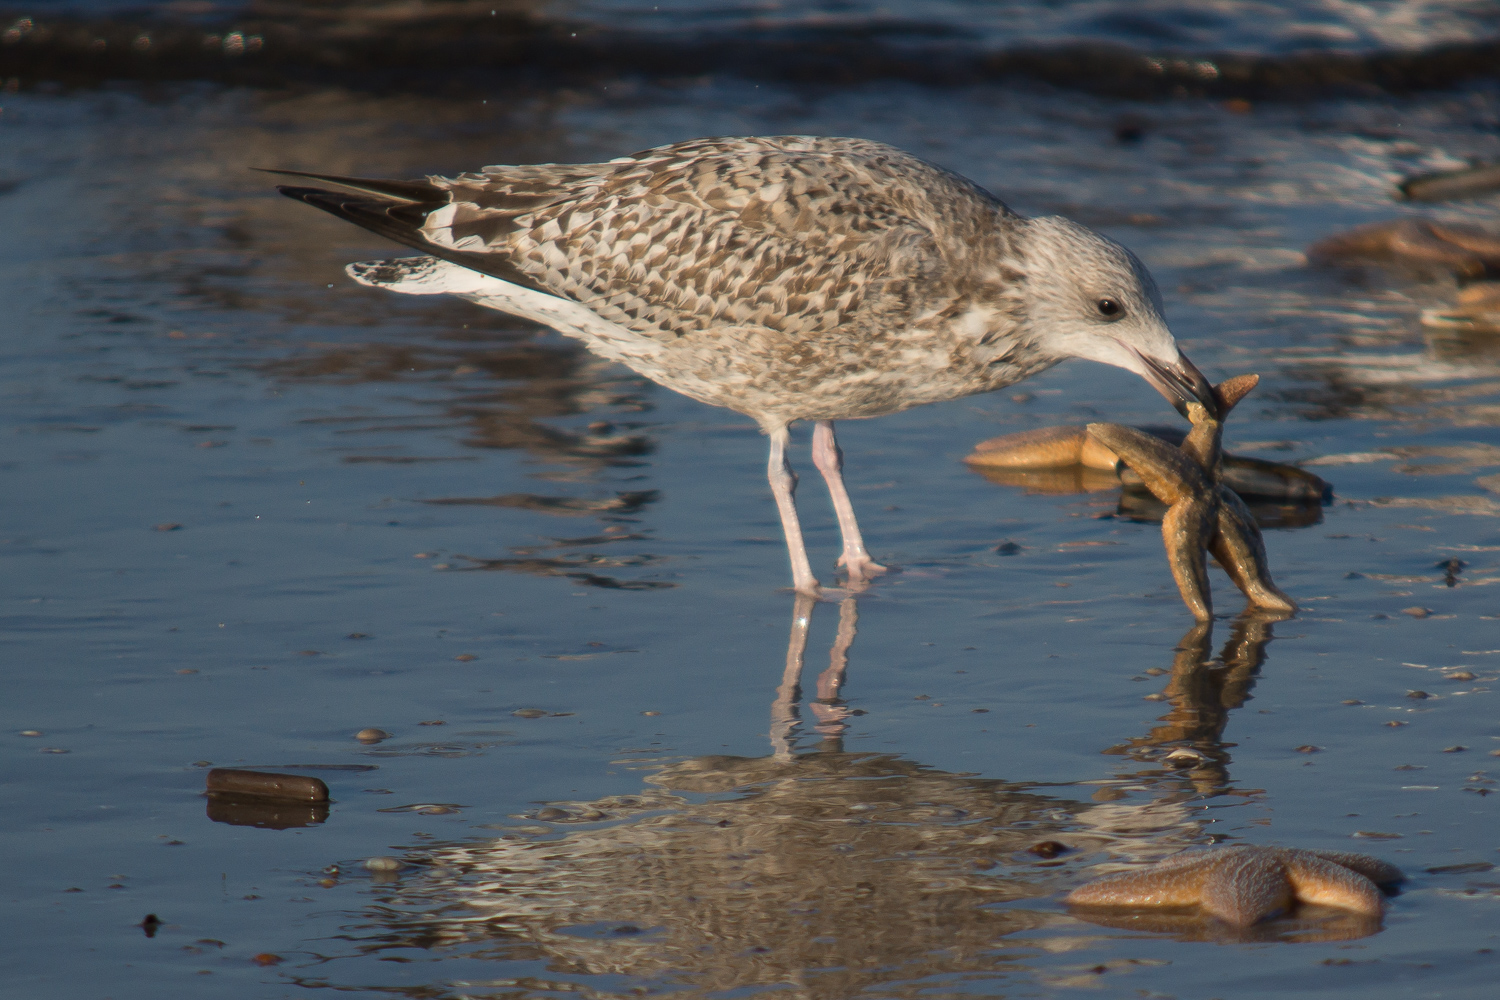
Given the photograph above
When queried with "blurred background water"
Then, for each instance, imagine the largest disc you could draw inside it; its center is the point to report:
(252, 508)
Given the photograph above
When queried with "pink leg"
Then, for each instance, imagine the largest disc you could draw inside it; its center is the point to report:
(830, 461)
(783, 487)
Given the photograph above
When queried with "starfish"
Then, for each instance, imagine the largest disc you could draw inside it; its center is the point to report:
(1467, 251)
(1204, 514)
(1244, 885)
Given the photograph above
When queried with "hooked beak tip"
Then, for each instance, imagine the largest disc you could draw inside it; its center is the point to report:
(1181, 383)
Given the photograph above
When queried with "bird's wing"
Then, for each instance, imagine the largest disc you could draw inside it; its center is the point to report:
(793, 233)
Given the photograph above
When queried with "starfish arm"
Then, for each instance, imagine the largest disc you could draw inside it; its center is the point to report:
(1377, 871)
(1043, 448)
(1242, 553)
(1166, 884)
(1322, 882)
(1204, 443)
(1165, 470)
(1187, 529)
(1245, 889)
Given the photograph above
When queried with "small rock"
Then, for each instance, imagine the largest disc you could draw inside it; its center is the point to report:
(1154, 697)
(383, 864)
(1375, 835)
(529, 713)
(433, 722)
(1393, 723)
(31, 732)
(1007, 549)
(1351, 701)
(1047, 849)
(650, 713)
(266, 958)
(1461, 869)
(1308, 748)
(54, 750)
(357, 635)
(979, 711)
(551, 814)
(466, 657)
(1462, 675)
(435, 810)
(1418, 695)
(170, 526)
(372, 735)
(1417, 612)
(1456, 748)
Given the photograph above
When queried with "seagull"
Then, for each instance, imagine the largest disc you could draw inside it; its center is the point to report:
(784, 277)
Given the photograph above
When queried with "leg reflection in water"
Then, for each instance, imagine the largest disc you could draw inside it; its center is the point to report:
(829, 710)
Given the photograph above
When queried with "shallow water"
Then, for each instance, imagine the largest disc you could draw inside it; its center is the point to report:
(255, 508)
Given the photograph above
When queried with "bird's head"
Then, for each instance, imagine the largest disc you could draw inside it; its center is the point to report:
(1089, 297)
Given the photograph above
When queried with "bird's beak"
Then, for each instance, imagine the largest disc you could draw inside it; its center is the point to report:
(1181, 382)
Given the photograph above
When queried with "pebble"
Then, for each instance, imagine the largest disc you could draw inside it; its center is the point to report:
(1417, 612)
(1047, 849)
(31, 732)
(650, 713)
(1308, 748)
(466, 657)
(1418, 695)
(1456, 748)
(433, 722)
(1393, 723)
(435, 810)
(1462, 675)
(1447, 185)
(383, 864)
(551, 813)
(529, 713)
(261, 784)
(266, 958)
(372, 735)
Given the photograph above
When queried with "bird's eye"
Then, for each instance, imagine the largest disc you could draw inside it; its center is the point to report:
(1108, 307)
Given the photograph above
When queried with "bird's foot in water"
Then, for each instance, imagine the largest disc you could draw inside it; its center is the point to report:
(862, 569)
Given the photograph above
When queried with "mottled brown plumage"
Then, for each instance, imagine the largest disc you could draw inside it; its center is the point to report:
(787, 277)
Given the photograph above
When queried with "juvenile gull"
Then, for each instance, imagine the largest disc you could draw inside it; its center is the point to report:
(785, 277)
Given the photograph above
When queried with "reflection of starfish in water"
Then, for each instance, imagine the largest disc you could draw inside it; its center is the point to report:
(1243, 885)
(1205, 514)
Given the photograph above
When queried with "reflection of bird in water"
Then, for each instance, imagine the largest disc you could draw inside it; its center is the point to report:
(788, 278)
(824, 871)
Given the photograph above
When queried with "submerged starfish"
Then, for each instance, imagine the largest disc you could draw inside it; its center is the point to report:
(1243, 885)
(1204, 514)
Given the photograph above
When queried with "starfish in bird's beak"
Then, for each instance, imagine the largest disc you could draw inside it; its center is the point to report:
(1204, 515)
